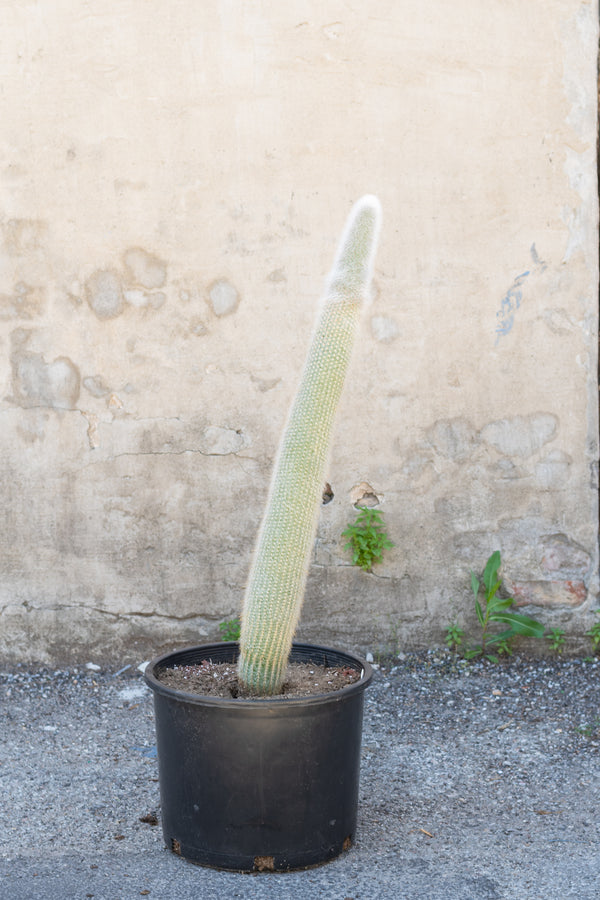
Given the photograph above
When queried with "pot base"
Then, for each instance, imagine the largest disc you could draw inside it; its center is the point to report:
(249, 866)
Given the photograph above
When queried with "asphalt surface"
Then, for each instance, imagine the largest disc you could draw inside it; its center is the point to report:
(478, 782)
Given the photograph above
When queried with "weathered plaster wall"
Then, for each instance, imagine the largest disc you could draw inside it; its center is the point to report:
(174, 177)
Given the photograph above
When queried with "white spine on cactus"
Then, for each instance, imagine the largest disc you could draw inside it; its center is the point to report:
(277, 580)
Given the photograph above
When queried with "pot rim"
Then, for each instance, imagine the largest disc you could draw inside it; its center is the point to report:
(160, 687)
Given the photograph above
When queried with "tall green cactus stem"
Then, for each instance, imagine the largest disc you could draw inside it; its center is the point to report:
(275, 589)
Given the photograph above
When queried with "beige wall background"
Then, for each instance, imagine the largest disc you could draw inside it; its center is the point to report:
(174, 178)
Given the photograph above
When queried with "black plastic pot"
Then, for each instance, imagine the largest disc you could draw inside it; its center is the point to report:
(261, 784)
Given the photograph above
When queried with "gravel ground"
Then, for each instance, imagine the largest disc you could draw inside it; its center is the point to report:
(478, 781)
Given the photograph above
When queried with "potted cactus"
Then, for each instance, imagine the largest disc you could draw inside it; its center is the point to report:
(269, 782)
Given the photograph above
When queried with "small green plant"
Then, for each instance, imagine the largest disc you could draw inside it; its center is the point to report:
(230, 630)
(454, 636)
(556, 637)
(495, 610)
(367, 538)
(594, 632)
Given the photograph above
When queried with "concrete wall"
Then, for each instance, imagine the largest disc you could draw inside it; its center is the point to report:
(174, 178)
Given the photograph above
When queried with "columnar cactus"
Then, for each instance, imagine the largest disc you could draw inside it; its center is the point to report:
(275, 588)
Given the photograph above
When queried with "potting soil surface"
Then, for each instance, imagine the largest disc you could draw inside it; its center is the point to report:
(221, 680)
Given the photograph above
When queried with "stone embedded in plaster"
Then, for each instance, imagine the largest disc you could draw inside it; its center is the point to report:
(521, 435)
(553, 470)
(453, 438)
(547, 593)
(38, 383)
(563, 557)
(144, 268)
(384, 329)
(105, 294)
(224, 297)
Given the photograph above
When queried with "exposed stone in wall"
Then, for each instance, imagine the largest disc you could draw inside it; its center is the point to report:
(565, 567)
(553, 594)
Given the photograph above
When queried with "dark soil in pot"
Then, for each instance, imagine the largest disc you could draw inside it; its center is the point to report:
(216, 679)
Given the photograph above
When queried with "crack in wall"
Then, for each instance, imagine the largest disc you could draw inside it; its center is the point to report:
(117, 616)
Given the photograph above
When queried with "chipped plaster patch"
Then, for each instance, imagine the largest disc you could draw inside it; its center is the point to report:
(521, 435)
(224, 297)
(364, 495)
(104, 293)
(453, 438)
(38, 383)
